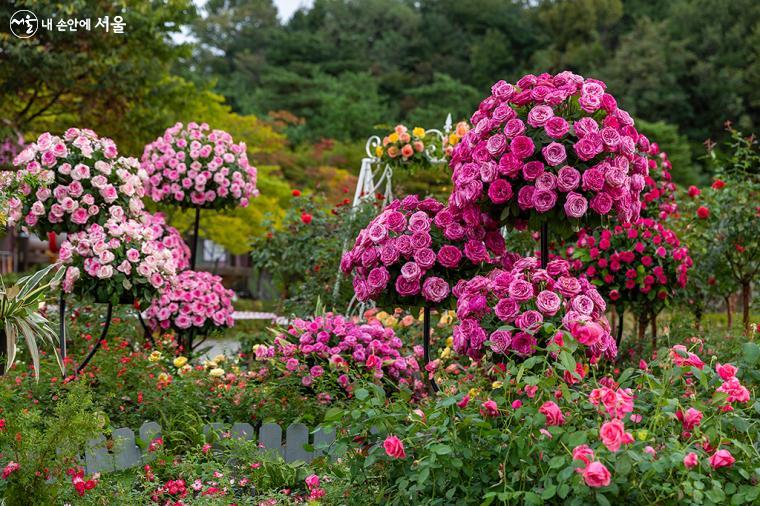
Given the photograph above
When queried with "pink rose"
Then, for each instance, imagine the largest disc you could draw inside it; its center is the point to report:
(522, 147)
(726, 371)
(489, 409)
(553, 414)
(435, 289)
(690, 419)
(548, 302)
(691, 460)
(449, 256)
(583, 453)
(544, 201)
(532, 170)
(514, 127)
(539, 115)
(394, 447)
(613, 435)
(500, 191)
(721, 458)
(568, 179)
(576, 205)
(601, 203)
(378, 279)
(406, 287)
(496, 144)
(556, 127)
(507, 310)
(554, 154)
(524, 344)
(500, 341)
(587, 333)
(596, 475)
(586, 149)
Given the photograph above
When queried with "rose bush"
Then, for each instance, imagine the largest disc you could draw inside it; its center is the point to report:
(169, 237)
(64, 184)
(195, 166)
(659, 200)
(414, 252)
(523, 308)
(116, 262)
(554, 148)
(196, 301)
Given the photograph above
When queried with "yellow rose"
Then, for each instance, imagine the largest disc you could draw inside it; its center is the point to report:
(393, 137)
(155, 356)
(450, 341)
(379, 151)
(209, 364)
(180, 361)
(453, 139)
(497, 384)
(216, 372)
(219, 359)
(382, 315)
(446, 353)
(643, 434)
(163, 377)
(418, 132)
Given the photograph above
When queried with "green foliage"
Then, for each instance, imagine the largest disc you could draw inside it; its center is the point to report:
(684, 172)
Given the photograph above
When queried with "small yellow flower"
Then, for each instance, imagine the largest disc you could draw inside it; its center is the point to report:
(643, 435)
(163, 377)
(497, 384)
(446, 353)
(216, 372)
(180, 361)
(473, 392)
(184, 369)
(453, 139)
(209, 364)
(379, 151)
(155, 356)
(418, 132)
(393, 137)
(219, 359)
(450, 341)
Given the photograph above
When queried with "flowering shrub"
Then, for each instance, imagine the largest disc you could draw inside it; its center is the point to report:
(667, 432)
(330, 353)
(402, 148)
(659, 200)
(65, 184)
(640, 266)
(555, 147)
(118, 261)
(451, 140)
(407, 256)
(197, 301)
(169, 237)
(524, 308)
(194, 166)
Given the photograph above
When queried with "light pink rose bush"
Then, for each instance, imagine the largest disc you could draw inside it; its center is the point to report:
(414, 252)
(195, 166)
(523, 309)
(118, 262)
(65, 184)
(196, 302)
(676, 430)
(328, 354)
(557, 147)
(169, 237)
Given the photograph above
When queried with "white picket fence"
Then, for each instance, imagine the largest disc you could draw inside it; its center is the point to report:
(124, 453)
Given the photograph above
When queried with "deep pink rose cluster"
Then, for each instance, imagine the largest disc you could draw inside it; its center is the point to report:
(64, 184)
(169, 237)
(195, 166)
(118, 261)
(522, 308)
(196, 301)
(410, 251)
(659, 200)
(554, 145)
(331, 342)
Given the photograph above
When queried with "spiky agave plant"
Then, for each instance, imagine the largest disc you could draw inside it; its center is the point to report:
(19, 316)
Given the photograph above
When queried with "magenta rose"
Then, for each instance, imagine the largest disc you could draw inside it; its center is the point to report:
(601, 203)
(410, 271)
(586, 149)
(395, 221)
(378, 279)
(523, 344)
(575, 205)
(406, 287)
(449, 256)
(546, 181)
(522, 147)
(507, 310)
(514, 127)
(539, 115)
(500, 341)
(424, 257)
(593, 179)
(500, 191)
(520, 290)
(548, 302)
(497, 144)
(554, 153)
(556, 127)
(525, 197)
(532, 170)
(568, 179)
(530, 320)
(583, 305)
(476, 251)
(435, 289)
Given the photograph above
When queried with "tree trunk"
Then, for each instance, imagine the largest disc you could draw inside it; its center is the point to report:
(642, 327)
(613, 321)
(653, 321)
(729, 314)
(698, 318)
(746, 300)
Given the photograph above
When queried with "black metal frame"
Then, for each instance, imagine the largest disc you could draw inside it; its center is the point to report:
(426, 345)
(196, 226)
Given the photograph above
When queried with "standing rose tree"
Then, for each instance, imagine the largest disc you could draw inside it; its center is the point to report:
(639, 267)
(551, 149)
(196, 304)
(169, 237)
(64, 184)
(196, 167)
(523, 308)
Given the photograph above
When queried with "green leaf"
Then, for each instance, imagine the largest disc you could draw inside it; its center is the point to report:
(549, 492)
(362, 394)
(751, 353)
(603, 501)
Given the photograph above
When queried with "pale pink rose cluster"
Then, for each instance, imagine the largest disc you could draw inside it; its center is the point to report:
(554, 145)
(64, 184)
(408, 253)
(523, 307)
(197, 300)
(195, 166)
(335, 343)
(118, 261)
(169, 237)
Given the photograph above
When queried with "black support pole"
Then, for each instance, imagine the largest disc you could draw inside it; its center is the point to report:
(62, 325)
(544, 245)
(621, 314)
(103, 334)
(194, 255)
(148, 334)
(426, 344)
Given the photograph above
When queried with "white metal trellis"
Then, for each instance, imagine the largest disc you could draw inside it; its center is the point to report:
(373, 175)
